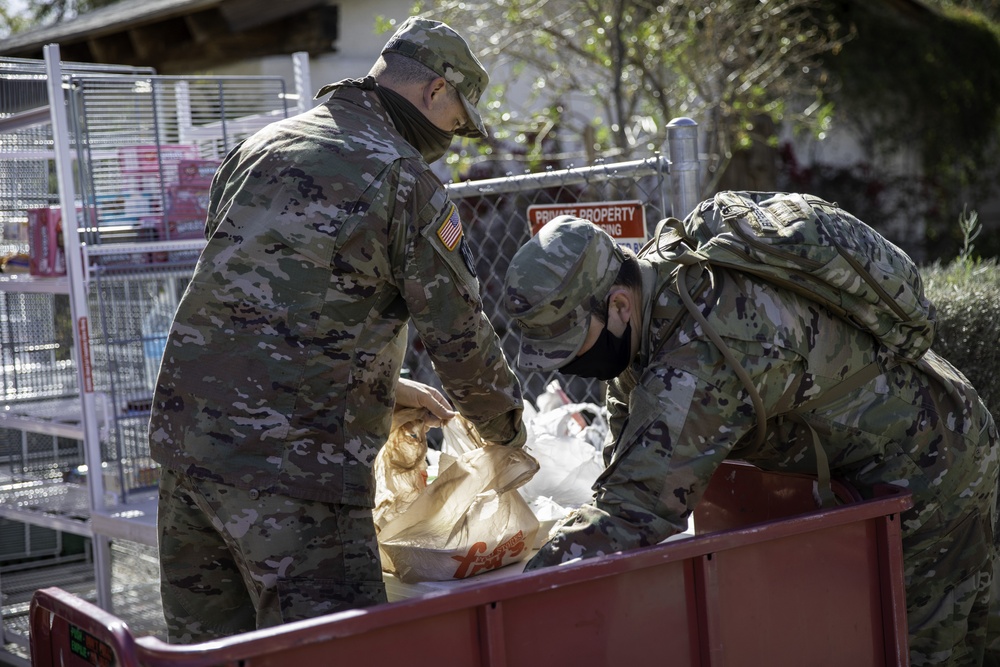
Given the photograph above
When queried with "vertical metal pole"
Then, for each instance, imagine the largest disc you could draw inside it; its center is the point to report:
(685, 188)
(3, 624)
(220, 91)
(182, 104)
(79, 310)
(303, 81)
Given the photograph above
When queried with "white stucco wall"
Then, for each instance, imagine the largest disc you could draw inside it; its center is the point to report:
(357, 46)
(842, 148)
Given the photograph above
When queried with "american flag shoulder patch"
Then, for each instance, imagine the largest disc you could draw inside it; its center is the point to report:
(450, 231)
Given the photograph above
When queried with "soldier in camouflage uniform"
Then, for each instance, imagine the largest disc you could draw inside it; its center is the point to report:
(677, 410)
(327, 232)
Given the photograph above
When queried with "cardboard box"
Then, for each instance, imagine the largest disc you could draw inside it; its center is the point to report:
(197, 172)
(46, 251)
(15, 230)
(46, 247)
(148, 158)
(187, 206)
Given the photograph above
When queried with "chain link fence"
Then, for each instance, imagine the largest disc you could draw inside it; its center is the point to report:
(498, 216)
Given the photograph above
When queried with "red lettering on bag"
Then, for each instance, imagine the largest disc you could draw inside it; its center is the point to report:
(472, 562)
(467, 560)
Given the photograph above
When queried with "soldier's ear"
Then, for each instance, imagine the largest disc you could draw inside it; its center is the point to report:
(620, 309)
(434, 90)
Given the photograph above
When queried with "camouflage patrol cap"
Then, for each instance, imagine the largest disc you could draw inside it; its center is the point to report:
(443, 50)
(549, 285)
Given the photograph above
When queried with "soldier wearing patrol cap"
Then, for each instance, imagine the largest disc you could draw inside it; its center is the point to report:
(586, 307)
(327, 233)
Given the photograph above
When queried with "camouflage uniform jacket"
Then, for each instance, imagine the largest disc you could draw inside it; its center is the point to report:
(679, 411)
(326, 233)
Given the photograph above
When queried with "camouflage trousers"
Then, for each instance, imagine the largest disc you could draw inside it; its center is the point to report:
(233, 561)
(948, 573)
(993, 631)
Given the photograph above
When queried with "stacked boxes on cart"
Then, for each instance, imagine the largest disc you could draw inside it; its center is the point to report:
(161, 195)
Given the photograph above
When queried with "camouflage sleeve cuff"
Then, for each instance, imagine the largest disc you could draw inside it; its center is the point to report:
(497, 431)
(591, 531)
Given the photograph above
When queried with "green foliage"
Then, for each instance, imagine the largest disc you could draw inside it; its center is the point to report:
(11, 21)
(932, 78)
(989, 8)
(926, 82)
(967, 296)
(610, 76)
(969, 225)
(34, 13)
(966, 293)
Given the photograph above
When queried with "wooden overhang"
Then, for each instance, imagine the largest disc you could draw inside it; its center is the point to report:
(185, 36)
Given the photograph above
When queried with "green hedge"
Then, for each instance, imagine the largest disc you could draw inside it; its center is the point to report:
(967, 297)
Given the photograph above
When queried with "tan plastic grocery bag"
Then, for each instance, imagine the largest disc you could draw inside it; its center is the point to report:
(401, 465)
(469, 520)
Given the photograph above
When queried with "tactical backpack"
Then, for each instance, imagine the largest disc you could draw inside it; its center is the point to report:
(817, 249)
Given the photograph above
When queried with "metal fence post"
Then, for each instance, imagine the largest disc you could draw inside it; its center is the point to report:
(303, 81)
(685, 189)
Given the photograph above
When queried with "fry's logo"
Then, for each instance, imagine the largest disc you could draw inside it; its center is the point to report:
(475, 561)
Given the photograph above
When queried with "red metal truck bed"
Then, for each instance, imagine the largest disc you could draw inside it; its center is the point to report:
(769, 586)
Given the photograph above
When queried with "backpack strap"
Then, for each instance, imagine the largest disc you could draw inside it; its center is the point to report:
(824, 488)
(856, 380)
(673, 245)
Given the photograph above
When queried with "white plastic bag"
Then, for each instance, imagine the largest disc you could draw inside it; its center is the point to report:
(470, 520)
(570, 457)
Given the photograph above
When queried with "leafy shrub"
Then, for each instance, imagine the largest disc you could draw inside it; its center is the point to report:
(967, 296)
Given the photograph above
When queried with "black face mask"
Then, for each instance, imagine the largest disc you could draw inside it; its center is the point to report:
(607, 359)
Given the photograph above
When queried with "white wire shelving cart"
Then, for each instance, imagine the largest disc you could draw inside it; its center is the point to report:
(104, 174)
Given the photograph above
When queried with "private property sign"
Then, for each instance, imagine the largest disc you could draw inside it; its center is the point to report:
(624, 221)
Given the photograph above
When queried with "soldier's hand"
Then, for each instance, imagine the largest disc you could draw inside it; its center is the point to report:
(411, 394)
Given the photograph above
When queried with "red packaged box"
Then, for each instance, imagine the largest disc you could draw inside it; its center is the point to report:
(197, 172)
(185, 229)
(147, 158)
(186, 204)
(46, 248)
(46, 251)
(186, 210)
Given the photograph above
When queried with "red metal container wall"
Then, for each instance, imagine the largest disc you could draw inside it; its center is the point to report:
(819, 588)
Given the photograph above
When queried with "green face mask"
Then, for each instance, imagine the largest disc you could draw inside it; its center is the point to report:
(416, 128)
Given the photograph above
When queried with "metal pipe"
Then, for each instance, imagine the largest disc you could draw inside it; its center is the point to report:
(25, 119)
(685, 189)
(303, 81)
(554, 178)
(79, 308)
